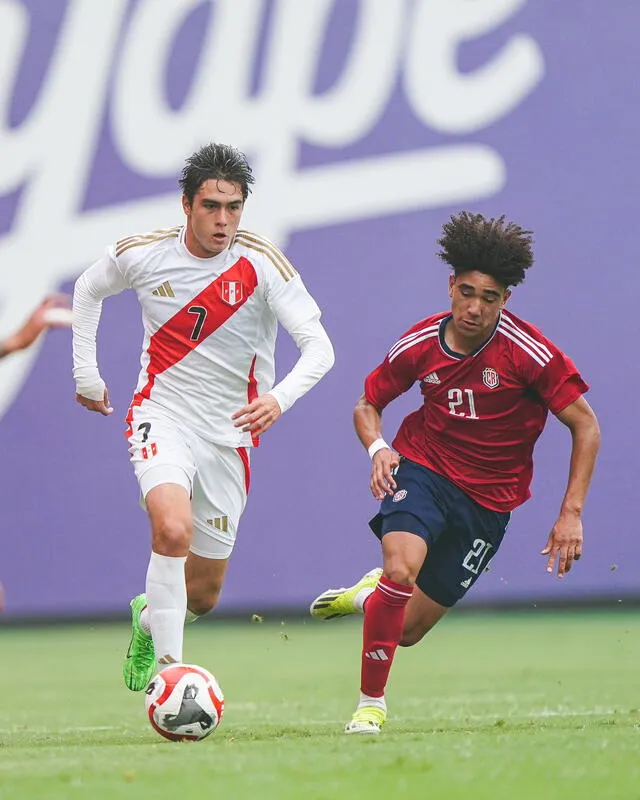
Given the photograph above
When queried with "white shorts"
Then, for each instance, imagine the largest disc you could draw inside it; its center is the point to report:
(216, 477)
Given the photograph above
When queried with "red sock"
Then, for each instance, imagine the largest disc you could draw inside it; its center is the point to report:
(383, 620)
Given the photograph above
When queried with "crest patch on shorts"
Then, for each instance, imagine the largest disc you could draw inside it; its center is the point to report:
(399, 495)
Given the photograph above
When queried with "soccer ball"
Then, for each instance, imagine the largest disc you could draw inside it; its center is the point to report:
(184, 703)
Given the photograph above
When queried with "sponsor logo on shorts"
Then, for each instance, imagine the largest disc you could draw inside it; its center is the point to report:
(490, 377)
(399, 495)
(219, 523)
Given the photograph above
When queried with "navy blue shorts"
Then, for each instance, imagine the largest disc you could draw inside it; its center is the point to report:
(462, 536)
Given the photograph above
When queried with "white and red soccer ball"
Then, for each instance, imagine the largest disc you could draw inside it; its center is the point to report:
(184, 703)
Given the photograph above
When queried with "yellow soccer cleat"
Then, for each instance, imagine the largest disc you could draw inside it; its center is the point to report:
(340, 602)
(367, 720)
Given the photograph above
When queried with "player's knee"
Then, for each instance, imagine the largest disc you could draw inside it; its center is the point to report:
(401, 573)
(172, 537)
(202, 597)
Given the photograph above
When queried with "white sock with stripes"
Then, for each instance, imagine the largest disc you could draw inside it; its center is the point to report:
(166, 605)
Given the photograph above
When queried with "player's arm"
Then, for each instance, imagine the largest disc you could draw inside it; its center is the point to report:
(97, 282)
(299, 315)
(316, 359)
(565, 539)
(53, 311)
(367, 421)
(389, 380)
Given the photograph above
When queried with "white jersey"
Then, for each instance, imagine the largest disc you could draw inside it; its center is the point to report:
(210, 324)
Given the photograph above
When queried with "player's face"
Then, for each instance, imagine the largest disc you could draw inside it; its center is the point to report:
(476, 302)
(213, 217)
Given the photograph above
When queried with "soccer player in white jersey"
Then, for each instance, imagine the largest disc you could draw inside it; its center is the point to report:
(212, 297)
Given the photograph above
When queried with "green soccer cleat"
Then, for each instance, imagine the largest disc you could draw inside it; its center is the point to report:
(367, 720)
(340, 602)
(140, 662)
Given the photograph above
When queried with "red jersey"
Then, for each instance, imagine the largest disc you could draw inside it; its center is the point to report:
(482, 413)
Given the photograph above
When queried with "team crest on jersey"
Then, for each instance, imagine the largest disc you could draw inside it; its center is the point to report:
(232, 292)
(490, 377)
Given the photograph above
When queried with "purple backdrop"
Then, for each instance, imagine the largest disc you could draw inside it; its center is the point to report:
(367, 129)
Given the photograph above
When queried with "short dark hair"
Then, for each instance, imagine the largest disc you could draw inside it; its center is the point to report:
(497, 248)
(216, 162)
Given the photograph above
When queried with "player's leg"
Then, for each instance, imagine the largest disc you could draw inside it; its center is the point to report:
(220, 490)
(403, 554)
(421, 614)
(169, 509)
(205, 576)
(408, 524)
(164, 467)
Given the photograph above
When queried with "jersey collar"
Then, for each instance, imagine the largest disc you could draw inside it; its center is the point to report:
(460, 356)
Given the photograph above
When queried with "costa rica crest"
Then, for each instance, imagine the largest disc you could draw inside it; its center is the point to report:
(232, 292)
(490, 377)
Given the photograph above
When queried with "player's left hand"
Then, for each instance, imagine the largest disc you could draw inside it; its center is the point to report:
(258, 416)
(564, 543)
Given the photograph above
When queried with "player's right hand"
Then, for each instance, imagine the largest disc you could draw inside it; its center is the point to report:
(382, 481)
(101, 406)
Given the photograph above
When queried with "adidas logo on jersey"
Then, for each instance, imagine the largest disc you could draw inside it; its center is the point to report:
(466, 584)
(431, 378)
(164, 290)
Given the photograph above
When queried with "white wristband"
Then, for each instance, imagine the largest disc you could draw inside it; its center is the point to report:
(379, 444)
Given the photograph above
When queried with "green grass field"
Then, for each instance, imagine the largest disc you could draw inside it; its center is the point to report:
(526, 705)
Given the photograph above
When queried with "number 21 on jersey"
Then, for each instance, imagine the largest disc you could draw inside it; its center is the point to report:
(462, 404)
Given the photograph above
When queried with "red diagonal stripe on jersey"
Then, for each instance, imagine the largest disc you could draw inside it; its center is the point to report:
(172, 342)
(252, 393)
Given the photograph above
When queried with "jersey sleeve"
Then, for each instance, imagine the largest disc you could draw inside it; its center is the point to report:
(287, 296)
(396, 375)
(553, 376)
(100, 280)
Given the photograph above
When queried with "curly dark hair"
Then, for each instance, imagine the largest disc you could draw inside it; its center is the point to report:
(497, 248)
(218, 162)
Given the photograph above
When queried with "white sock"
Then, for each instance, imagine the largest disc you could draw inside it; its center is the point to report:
(144, 620)
(361, 596)
(146, 625)
(166, 605)
(366, 700)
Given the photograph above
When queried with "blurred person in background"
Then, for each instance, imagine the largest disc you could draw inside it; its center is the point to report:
(211, 297)
(52, 312)
(460, 464)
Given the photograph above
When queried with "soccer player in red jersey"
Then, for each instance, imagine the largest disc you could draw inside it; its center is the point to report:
(462, 462)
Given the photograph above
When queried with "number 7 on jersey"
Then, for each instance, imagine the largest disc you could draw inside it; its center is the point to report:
(201, 313)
